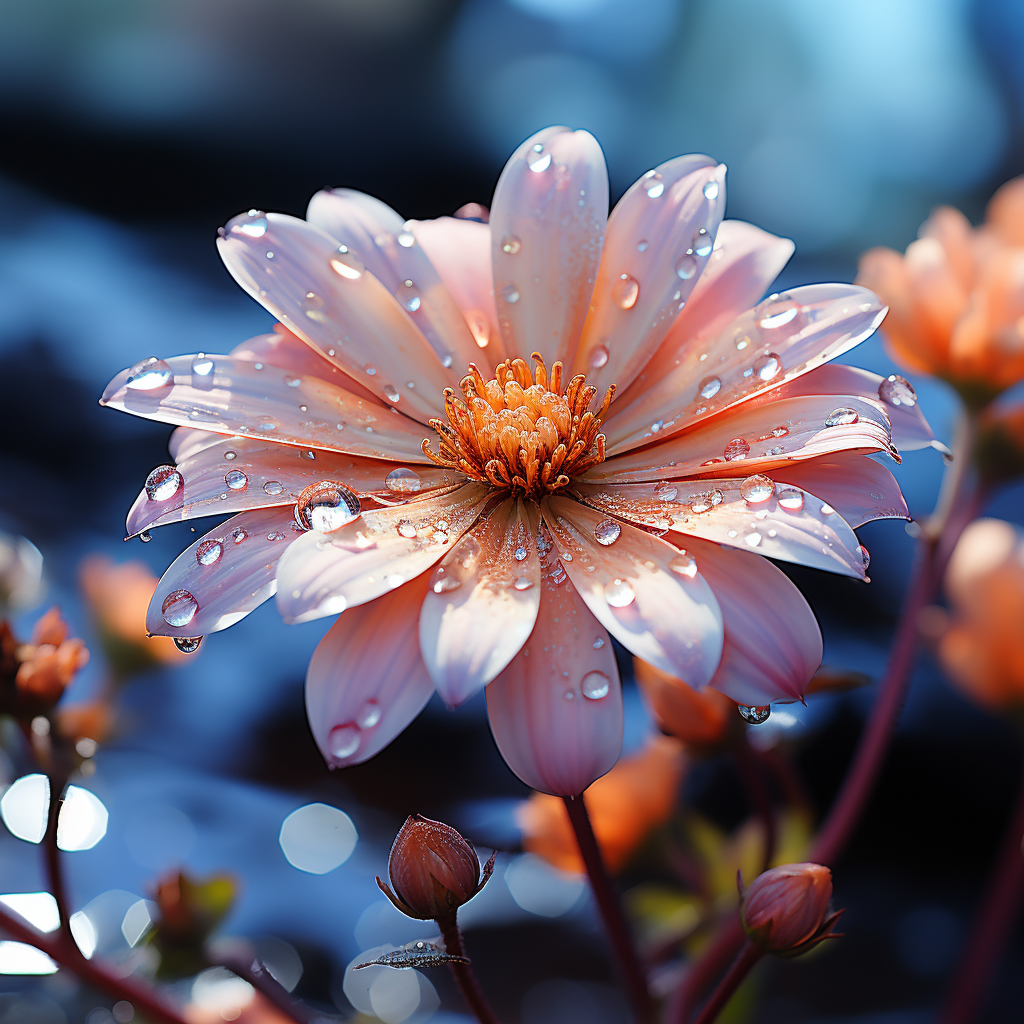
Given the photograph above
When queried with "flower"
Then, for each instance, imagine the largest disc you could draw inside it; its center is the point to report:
(486, 447)
(956, 297)
(697, 717)
(35, 675)
(188, 910)
(433, 870)
(978, 641)
(786, 909)
(636, 796)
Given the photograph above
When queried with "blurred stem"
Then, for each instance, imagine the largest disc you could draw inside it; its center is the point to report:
(709, 965)
(753, 778)
(463, 973)
(62, 949)
(1000, 906)
(54, 872)
(748, 957)
(610, 909)
(269, 987)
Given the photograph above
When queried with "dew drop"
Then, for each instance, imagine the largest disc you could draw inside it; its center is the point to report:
(238, 534)
(511, 245)
(826, 509)
(653, 184)
(343, 740)
(188, 644)
(767, 366)
(757, 489)
(742, 341)
(402, 480)
(510, 293)
(710, 386)
(520, 554)
(865, 556)
(409, 296)
(686, 266)
(753, 539)
(897, 391)
(164, 483)
(368, 715)
(273, 487)
(625, 291)
(391, 393)
(595, 685)
(736, 449)
(684, 564)
(145, 536)
(842, 417)
(537, 160)
(406, 529)
(754, 715)
(666, 491)
(208, 551)
(148, 375)
(776, 311)
(523, 583)
(598, 356)
(406, 239)
(607, 532)
(702, 243)
(619, 593)
(347, 264)
(642, 245)
(202, 365)
(179, 608)
(711, 189)
(236, 480)
(791, 499)
(326, 506)
(292, 382)
(598, 643)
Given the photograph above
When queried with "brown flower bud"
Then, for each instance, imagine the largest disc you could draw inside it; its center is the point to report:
(188, 911)
(433, 870)
(786, 909)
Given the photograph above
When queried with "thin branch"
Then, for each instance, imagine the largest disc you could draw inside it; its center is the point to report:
(749, 956)
(51, 852)
(610, 909)
(709, 965)
(465, 978)
(269, 987)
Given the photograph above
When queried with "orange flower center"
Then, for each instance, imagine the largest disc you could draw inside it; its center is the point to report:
(519, 432)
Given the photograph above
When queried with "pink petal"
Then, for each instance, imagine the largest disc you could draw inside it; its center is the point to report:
(390, 251)
(323, 574)
(667, 617)
(460, 251)
(553, 736)
(653, 257)
(235, 581)
(237, 398)
(812, 534)
(366, 680)
(858, 488)
(482, 602)
(325, 297)
(772, 640)
(746, 359)
(910, 430)
(275, 474)
(547, 224)
(777, 432)
(186, 442)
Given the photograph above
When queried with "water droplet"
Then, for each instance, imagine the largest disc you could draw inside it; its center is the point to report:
(208, 551)
(202, 365)
(537, 160)
(406, 239)
(148, 375)
(619, 593)
(188, 644)
(684, 564)
(598, 643)
(145, 536)
(292, 382)
(510, 293)
(865, 556)
(757, 489)
(897, 391)
(710, 386)
(826, 509)
(791, 499)
(347, 264)
(569, 695)
(511, 245)
(711, 189)
(754, 715)
(229, 455)
(595, 685)
(776, 311)
(607, 532)
(238, 534)
(686, 266)
(409, 296)
(326, 506)
(767, 366)
(402, 480)
(642, 245)
(702, 243)
(273, 487)
(736, 449)
(753, 539)
(653, 184)
(179, 608)
(391, 393)
(520, 554)
(164, 483)
(523, 583)
(625, 291)
(406, 529)
(742, 341)
(343, 740)
(666, 491)
(236, 480)
(598, 356)
(842, 417)
(368, 715)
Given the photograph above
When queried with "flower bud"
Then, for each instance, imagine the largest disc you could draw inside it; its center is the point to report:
(433, 870)
(786, 909)
(188, 911)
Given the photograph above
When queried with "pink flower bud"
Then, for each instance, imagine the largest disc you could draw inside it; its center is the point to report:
(433, 870)
(786, 910)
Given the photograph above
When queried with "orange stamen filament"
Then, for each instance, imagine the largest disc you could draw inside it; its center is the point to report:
(521, 433)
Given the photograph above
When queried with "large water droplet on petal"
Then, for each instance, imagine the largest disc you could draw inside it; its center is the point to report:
(510, 293)
(686, 266)
(776, 311)
(537, 160)
(253, 224)
(865, 556)
(179, 608)
(757, 489)
(754, 715)
(684, 564)
(619, 593)
(791, 499)
(347, 264)
(368, 715)
(164, 483)
(710, 386)
(188, 644)
(409, 295)
(511, 245)
(767, 366)
(148, 375)
(736, 449)
(343, 740)
(402, 480)
(842, 417)
(208, 551)
(202, 365)
(711, 189)
(598, 356)
(653, 184)
(897, 391)
(666, 491)
(595, 685)
(607, 532)
(702, 243)
(625, 291)
(236, 480)
(326, 506)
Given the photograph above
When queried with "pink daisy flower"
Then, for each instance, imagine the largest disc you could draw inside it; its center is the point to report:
(486, 447)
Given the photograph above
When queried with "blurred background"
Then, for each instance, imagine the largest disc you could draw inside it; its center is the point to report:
(131, 129)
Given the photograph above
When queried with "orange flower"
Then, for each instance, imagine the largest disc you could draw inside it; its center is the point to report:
(638, 794)
(979, 642)
(119, 594)
(956, 297)
(700, 717)
(49, 663)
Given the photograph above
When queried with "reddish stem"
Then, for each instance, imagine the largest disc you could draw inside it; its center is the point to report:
(61, 948)
(51, 852)
(464, 976)
(749, 956)
(270, 988)
(708, 966)
(610, 909)
(760, 798)
(992, 926)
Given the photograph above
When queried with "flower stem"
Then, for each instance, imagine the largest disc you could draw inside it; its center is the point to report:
(63, 950)
(992, 926)
(749, 956)
(708, 966)
(269, 987)
(464, 976)
(51, 851)
(760, 798)
(610, 909)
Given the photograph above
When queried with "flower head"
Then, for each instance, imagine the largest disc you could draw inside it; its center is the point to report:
(488, 448)
(34, 676)
(786, 910)
(433, 870)
(956, 297)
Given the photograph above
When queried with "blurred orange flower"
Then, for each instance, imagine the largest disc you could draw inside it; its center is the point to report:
(119, 594)
(48, 663)
(697, 717)
(956, 297)
(638, 794)
(979, 642)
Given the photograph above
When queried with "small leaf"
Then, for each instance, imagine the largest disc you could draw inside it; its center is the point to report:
(414, 954)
